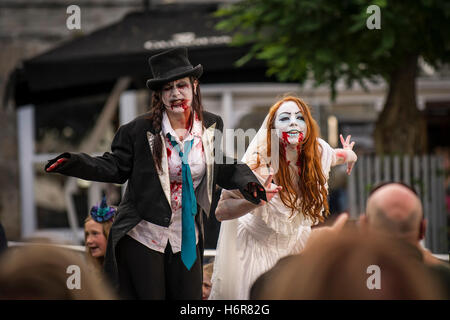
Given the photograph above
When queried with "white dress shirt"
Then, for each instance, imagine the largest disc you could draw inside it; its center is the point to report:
(155, 236)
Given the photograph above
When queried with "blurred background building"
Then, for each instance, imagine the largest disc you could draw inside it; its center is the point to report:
(69, 90)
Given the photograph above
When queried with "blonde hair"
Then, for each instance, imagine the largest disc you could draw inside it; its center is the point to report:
(208, 269)
(106, 226)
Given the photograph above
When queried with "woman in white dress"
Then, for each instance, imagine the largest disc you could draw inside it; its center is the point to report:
(287, 149)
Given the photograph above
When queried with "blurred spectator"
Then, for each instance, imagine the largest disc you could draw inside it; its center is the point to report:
(207, 275)
(96, 231)
(47, 272)
(394, 210)
(338, 264)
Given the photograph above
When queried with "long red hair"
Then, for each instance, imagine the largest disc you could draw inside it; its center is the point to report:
(309, 197)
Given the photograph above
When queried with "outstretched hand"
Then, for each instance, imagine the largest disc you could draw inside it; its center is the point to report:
(347, 145)
(56, 164)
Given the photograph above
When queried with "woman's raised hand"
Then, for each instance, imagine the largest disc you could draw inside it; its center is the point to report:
(348, 154)
(346, 143)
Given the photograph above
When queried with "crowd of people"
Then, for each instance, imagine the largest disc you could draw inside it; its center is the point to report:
(44, 271)
(271, 244)
(334, 263)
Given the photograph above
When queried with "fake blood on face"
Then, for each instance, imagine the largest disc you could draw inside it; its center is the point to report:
(299, 151)
(180, 104)
(285, 137)
(184, 105)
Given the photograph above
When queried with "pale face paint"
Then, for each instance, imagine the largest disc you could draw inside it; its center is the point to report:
(290, 125)
(177, 95)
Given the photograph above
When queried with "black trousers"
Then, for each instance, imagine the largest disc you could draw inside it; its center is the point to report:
(151, 275)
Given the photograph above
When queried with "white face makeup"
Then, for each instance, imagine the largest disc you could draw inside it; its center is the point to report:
(289, 122)
(177, 95)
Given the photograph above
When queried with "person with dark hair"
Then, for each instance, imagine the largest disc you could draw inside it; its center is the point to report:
(155, 247)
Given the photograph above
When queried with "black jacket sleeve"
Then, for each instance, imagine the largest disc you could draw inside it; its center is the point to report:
(113, 167)
(235, 175)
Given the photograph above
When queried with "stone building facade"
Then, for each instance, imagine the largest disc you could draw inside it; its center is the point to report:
(28, 28)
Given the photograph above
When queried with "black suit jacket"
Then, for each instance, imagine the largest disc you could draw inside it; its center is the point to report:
(131, 160)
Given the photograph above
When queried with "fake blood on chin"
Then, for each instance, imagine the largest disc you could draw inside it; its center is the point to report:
(180, 104)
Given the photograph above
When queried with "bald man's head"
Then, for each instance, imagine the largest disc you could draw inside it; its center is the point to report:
(395, 209)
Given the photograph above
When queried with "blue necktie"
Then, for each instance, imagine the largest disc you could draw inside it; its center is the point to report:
(188, 206)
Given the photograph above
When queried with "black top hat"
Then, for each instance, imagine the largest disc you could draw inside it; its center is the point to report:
(171, 65)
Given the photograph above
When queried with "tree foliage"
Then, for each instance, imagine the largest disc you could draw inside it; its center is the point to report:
(328, 40)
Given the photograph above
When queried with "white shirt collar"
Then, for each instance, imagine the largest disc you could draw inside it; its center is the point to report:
(196, 130)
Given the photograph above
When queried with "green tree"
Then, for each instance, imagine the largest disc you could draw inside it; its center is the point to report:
(328, 40)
